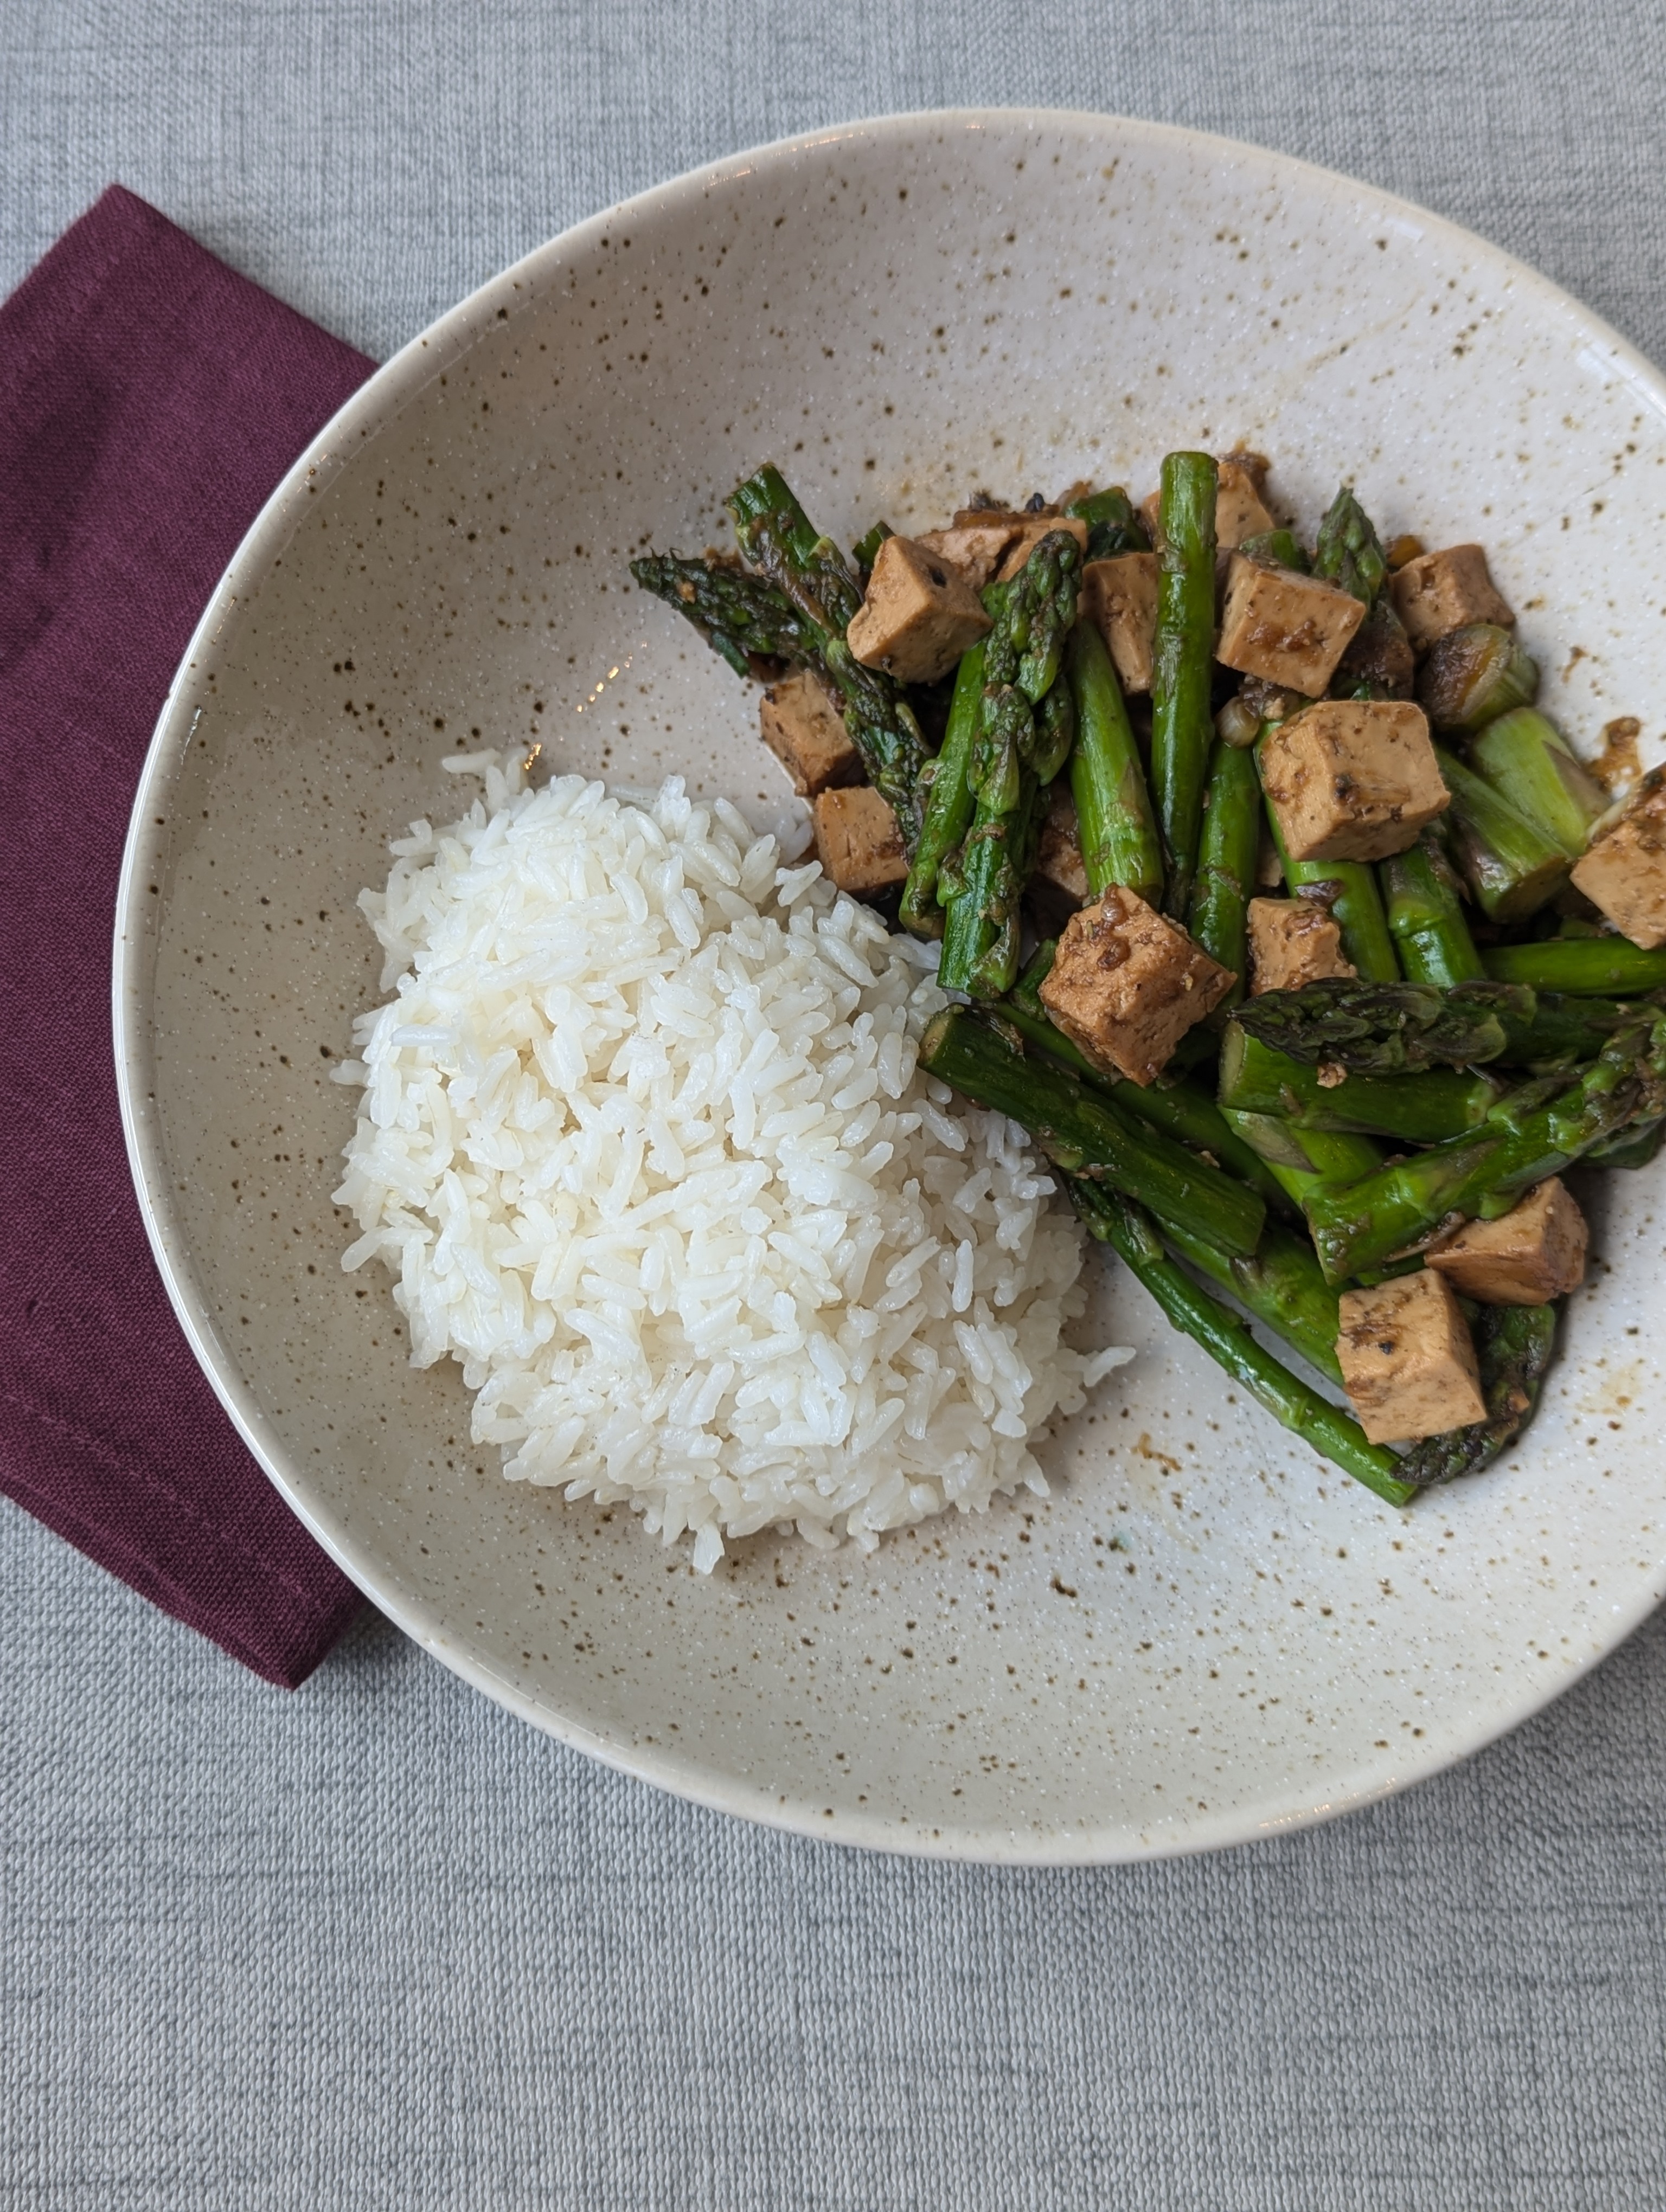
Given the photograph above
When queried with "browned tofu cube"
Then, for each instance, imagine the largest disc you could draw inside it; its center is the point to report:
(919, 615)
(1292, 941)
(1119, 597)
(1059, 867)
(1624, 872)
(858, 841)
(1351, 779)
(1032, 528)
(1127, 984)
(1527, 1257)
(1288, 629)
(973, 550)
(1239, 513)
(1409, 1366)
(804, 730)
(1442, 592)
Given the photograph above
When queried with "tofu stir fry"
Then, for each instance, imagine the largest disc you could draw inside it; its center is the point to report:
(1303, 943)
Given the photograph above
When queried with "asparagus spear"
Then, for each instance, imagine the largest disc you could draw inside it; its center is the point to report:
(1304, 1161)
(810, 571)
(1113, 527)
(1538, 1132)
(1387, 1029)
(1512, 865)
(1277, 549)
(1473, 675)
(1583, 966)
(1182, 730)
(1426, 914)
(1424, 1109)
(1025, 728)
(1637, 1148)
(1283, 1287)
(1346, 551)
(866, 551)
(1113, 808)
(1526, 759)
(1378, 661)
(738, 614)
(1513, 1345)
(1118, 1222)
(1348, 888)
(947, 788)
(1178, 1107)
(1226, 880)
(1084, 1134)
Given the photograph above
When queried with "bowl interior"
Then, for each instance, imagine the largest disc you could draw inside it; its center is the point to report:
(1204, 1634)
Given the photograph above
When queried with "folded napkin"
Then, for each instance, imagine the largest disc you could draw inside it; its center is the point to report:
(150, 398)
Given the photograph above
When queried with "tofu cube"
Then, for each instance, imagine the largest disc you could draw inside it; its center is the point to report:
(1059, 868)
(1032, 528)
(973, 549)
(1127, 984)
(1239, 513)
(1351, 779)
(1624, 871)
(858, 841)
(1119, 597)
(1408, 1364)
(919, 615)
(1442, 592)
(1286, 629)
(1527, 1257)
(1292, 941)
(803, 729)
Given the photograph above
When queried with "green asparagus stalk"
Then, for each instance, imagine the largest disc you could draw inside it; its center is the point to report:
(1424, 1109)
(1179, 1107)
(1182, 730)
(1513, 1345)
(1637, 1148)
(1025, 729)
(1513, 866)
(1083, 1135)
(1113, 527)
(1473, 675)
(1114, 818)
(738, 614)
(810, 571)
(1117, 1221)
(1304, 1160)
(948, 800)
(1276, 549)
(1226, 880)
(1283, 1287)
(1424, 912)
(1389, 1029)
(1348, 888)
(1348, 552)
(866, 551)
(1583, 966)
(1528, 1137)
(1526, 759)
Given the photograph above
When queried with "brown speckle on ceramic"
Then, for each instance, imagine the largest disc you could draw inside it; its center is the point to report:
(1205, 1634)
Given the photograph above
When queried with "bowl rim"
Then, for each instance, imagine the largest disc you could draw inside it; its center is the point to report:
(391, 388)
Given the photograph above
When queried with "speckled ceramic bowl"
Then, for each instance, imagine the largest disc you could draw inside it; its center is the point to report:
(1205, 1634)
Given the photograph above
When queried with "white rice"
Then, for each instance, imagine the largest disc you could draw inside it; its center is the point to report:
(643, 1144)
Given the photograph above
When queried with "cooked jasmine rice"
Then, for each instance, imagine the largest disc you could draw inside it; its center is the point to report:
(643, 1143)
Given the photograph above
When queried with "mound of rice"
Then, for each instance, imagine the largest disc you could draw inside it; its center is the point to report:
(643, 1142)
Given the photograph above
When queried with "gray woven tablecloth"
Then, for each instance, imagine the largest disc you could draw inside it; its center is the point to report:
(378, 1944)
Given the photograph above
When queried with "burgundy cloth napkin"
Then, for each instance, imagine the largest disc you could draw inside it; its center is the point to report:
(150, 398)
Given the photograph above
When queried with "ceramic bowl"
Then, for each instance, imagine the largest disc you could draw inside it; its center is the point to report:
(1205, 1634)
